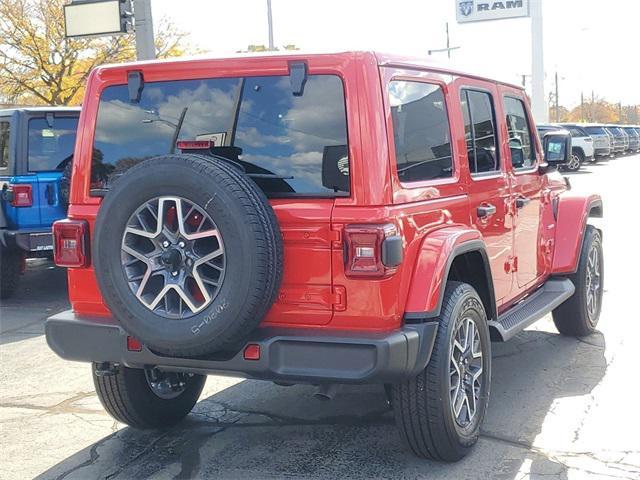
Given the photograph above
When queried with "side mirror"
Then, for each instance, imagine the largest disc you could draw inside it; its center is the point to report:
(335, 168)
(557, 149)
(517, 153)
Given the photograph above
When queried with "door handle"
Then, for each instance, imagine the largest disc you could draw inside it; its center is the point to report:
(522, 201)
(485, 211)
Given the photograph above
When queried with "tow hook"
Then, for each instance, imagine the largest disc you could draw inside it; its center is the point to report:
(105, 369)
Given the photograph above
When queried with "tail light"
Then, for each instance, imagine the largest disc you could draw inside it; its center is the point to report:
(372, 250)
(20, 195)
(71, 243)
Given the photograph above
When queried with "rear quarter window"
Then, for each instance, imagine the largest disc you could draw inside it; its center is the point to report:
(256, 122)
(4, 144)
(420, 131)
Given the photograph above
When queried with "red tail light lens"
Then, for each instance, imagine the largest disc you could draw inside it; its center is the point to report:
(194, 144)
(134, 345)
(22, 195)
(252, 352)
(366, 250)
(71, 243)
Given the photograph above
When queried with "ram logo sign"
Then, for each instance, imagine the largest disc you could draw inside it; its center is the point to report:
(481, 10)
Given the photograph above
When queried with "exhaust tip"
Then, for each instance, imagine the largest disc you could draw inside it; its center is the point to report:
(326, 392)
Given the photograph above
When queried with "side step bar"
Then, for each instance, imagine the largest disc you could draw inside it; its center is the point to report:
(533, 308)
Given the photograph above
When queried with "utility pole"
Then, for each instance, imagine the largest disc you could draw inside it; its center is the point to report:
(449, 47)
(270, 20)
(557, 101)
(145, 44)
(582, 106)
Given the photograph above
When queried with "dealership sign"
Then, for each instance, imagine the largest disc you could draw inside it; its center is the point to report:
(480, 10)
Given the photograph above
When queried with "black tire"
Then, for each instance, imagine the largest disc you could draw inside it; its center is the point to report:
(422, 405)
(252, 243)
(573, 317)
(128, 397)
(10, 270)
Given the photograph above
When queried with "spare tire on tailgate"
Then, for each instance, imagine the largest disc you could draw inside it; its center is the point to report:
(188, 254)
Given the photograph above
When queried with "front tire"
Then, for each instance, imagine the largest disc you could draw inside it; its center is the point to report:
(148, 398)
(440, 411)
(578, 316)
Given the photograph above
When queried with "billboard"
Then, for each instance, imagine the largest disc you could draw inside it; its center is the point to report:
(89, 18)
(481, 10)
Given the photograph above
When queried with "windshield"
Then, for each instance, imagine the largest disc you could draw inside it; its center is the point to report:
(280, 139)
(51, 143)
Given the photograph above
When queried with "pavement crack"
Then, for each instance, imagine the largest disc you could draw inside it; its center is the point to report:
(93, 457)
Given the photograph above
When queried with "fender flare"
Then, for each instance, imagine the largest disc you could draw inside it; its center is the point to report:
(433, 263)
(572, 212)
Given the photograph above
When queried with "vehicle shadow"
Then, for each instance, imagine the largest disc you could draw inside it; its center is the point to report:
(41, 292)
(259, 430)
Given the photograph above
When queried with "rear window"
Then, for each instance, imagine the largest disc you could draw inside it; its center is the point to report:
(595, 130)
(280, 139)
(577, 132)
(51, 143)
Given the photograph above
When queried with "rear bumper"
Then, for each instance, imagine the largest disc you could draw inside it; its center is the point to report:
(27, 240)
(300, 356)
(603, 151)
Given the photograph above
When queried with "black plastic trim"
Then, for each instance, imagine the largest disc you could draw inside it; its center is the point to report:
(290, 355)
(466, 247)
(392, 251)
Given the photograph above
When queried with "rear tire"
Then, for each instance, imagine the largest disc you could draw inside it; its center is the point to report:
(10, 269)
(578, 316)
(128, 396)
(424, 405)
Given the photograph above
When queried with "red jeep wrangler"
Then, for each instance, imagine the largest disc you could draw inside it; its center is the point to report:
(320, 219)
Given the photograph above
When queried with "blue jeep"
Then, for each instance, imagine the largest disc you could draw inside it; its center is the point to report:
(36, 150)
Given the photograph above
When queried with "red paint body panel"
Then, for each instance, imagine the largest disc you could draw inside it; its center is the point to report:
(433, 218)
(573, 211)
(431, 266)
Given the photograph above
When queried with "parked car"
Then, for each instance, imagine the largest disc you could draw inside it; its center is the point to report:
(602, 140)
(36, 144)
(253, 217)
(580, 151)
(620, 140)
(634, 138)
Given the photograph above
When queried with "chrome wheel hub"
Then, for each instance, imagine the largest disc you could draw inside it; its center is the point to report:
(173, 257)
(465, 372)
(593, 283)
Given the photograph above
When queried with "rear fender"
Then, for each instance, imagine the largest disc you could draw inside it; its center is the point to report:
(572, 212)
(435, 257)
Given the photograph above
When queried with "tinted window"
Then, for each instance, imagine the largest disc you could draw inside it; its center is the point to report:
(51, 147)
(4, 145)
(595, 130)
(276, 134)
(577, 132)
(420, 131)
(480, 131)
(520, 137)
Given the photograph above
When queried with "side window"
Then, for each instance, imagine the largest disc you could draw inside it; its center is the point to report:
(523, 153)
(420, 131)
(4, 145)
(480, 131)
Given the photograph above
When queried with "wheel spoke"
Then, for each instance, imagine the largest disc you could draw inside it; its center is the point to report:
(167, 285)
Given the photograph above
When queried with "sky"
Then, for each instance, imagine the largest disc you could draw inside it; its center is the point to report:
(593, 45)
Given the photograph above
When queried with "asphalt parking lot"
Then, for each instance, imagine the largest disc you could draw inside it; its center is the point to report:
(560, 408)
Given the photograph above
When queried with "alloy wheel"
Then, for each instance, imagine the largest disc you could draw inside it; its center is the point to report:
(466, 373)
(173, 257)
(593, 283)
